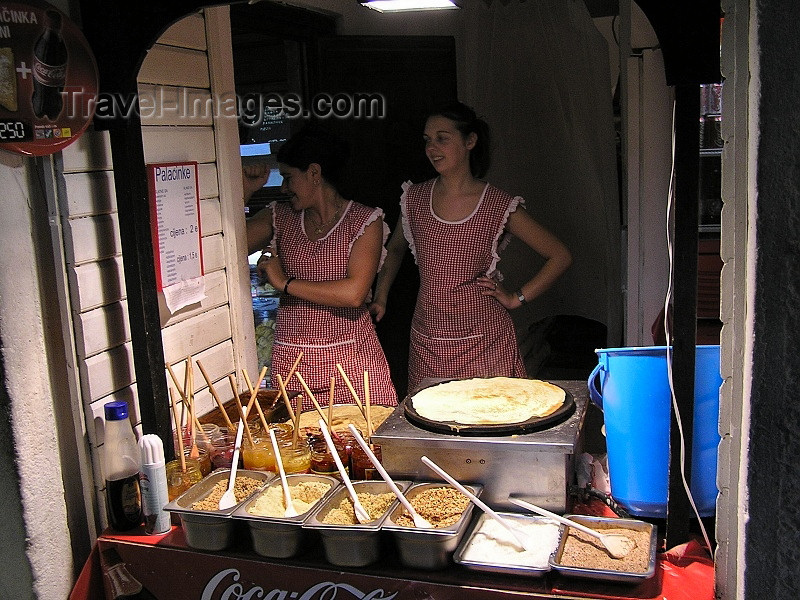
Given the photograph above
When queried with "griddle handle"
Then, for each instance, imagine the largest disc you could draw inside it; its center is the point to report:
(595, 395)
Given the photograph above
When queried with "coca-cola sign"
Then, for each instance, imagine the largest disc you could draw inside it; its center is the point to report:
(48, 79)
(226, 585)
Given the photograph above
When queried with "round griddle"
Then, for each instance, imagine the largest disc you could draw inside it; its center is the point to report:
(453, 428)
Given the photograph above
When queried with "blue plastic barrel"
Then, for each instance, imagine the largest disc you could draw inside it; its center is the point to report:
(635, 397)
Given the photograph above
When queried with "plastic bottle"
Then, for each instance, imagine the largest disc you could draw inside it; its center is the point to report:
(153, 482)
(49, 69)
(121, 469)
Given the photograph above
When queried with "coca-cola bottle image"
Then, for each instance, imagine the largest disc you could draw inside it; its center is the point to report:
(49, 69)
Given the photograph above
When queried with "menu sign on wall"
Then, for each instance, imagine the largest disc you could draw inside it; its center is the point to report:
(48, 79)
(175, 218)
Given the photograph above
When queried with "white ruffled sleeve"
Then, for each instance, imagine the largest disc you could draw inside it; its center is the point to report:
(376, 214)
(502, 238)
(404, 219)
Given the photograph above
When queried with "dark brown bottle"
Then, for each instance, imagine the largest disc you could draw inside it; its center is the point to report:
(49, 69)
(121, 585)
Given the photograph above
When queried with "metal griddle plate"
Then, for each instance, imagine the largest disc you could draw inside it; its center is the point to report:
(453, 428)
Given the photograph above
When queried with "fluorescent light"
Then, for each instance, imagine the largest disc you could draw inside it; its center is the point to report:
(400, 5)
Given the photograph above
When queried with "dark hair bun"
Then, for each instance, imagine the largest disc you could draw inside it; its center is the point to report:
(314, 144)
(467, 122)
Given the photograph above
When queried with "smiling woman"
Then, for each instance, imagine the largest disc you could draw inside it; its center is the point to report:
(326, 251)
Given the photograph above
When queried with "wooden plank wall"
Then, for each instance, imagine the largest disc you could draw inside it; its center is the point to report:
(175, 70)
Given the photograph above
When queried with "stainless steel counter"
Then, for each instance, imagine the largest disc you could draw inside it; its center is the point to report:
(538, 466)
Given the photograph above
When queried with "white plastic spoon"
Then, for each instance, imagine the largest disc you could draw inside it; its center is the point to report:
(361, 513)
(617, 544)
(419, 521)
(287, 495)
(229, 498)
(520, 537)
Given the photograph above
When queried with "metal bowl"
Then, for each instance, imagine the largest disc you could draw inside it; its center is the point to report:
(428, 549)
(500, 562)
(355, 545)
(280, 537)
(209, 529)
(592, 572)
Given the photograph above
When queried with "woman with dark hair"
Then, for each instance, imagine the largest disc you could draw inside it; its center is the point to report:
(453, 224)
(325, 252)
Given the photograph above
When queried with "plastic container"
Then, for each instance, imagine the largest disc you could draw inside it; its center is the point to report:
(153, 483)
(121, 464)
(635, 397)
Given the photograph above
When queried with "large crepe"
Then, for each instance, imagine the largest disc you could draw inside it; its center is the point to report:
(488, 401)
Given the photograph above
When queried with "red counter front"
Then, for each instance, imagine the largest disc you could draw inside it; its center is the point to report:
(168, 569)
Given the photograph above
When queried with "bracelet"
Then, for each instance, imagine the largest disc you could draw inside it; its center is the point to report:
(286, 285)
(520, 296)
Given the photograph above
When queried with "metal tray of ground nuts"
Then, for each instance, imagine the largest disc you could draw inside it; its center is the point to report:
(211, 529)
(355, 545)
(428, 548)
(590, 560)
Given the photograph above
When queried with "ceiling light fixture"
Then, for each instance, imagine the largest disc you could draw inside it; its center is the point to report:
(407, 5)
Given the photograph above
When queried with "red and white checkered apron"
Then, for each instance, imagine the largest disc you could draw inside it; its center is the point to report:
(456, 331)
(326, 335)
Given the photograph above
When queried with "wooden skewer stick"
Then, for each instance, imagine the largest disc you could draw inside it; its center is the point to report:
(254, 391)
(257, 403)
(311, 395)
(178, 426)
(195, 451)
(282, 387)
(211, 389)
(175, 381)
(294, 367)
(330, 404)
(352, 390)
(243, 417)
(296, 420)
(367, 406)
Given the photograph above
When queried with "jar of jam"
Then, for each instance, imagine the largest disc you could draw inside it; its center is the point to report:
(322, 460)
(222, 444)
(203, 459)
(179, 481)
(257, 454)
(361, 466)
(295, 459)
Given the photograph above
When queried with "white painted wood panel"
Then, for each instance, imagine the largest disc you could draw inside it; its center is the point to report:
(101, 329)
(210, 216)
(182, 143)
(213, 253)
(97, 284)
(195, 335)
(189, 32)
(168, 65)
(171, 105)
(107, 372)
(207, 180)
(92, 238)
(90, 152)
(89, 194)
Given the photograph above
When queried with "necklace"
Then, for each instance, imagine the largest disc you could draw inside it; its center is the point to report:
(319, 227)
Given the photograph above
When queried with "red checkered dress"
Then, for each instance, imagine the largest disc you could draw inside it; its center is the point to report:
(327, 334)
(456, 331)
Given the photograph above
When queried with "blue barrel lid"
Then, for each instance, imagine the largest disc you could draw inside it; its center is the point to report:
(116, 411)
